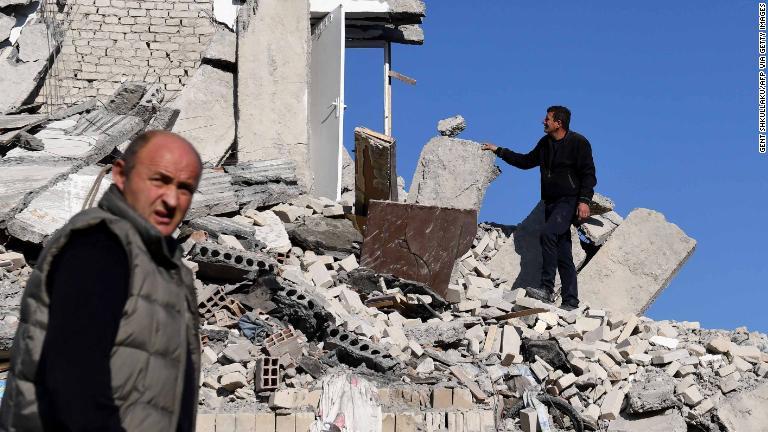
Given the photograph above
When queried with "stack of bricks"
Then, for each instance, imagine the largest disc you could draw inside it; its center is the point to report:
(107, 42)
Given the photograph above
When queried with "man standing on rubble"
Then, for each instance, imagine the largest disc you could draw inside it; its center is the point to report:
(568, 179)
(108, 338)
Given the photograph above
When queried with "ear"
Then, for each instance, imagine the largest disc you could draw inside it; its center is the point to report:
(118, 174)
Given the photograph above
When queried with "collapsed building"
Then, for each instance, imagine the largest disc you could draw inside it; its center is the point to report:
(331, 298)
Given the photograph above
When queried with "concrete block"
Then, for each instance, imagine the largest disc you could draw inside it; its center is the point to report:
(636, 264)
(388, 422)
(272, 103)
(285, 423)
(719, 345)
(565, 381)
(462, 398)
(668, 357)
(442, 398)
(665, 342)
(452, 173)
(609, 409)
(729, 383)
(692, 395)
(245, 422)
(206, 422)
(455, 421)
(405, 422)
(510, 342)
(265, 421)
(304, 420)
(472, 421)
(529, 420)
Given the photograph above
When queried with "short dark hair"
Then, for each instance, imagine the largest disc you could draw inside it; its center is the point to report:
(561, 114)
(134, 147)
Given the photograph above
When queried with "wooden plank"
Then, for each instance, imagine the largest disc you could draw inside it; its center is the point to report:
(403, 78)
(518, 314)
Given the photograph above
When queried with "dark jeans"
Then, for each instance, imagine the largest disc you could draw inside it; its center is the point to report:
(556, 248)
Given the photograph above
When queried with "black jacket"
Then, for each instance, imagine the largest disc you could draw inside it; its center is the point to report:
(566, 169)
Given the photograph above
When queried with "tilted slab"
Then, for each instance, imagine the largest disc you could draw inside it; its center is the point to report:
(452, 173)
(636, 263)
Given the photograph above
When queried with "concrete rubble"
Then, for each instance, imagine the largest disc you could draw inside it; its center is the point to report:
(398, 316)
(452, 173)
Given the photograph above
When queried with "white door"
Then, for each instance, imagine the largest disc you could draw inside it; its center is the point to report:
(326, 104)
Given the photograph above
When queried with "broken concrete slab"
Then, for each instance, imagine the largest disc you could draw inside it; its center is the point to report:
(636, 264)
(670, 421)
(745, 411)
(35, 42)
(27, 174)
(222, 49)
(273, 84)
(452, 173)
(416, 242)
(375, 172)
(6, 24)
(214, 196)
(50, 210)
(336, 237)
(21, 178)
(23, 74)
(207, 113)
(272, 233)
(600, 204)
(598, 228)
(263, 171)
(451, 126)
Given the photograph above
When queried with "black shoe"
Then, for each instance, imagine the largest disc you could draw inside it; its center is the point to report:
(541, 294)
(568, 307)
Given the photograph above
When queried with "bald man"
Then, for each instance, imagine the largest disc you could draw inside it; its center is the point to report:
(108, 337)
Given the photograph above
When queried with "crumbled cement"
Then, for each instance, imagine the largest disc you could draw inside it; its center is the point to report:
(451, 126)
(652, 392)
(745, 412)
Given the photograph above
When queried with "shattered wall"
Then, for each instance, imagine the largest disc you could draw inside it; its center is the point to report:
(107, 42)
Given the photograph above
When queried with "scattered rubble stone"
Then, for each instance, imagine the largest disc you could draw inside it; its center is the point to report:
(451, 126)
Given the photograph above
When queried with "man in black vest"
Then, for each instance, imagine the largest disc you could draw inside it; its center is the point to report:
(564, 158)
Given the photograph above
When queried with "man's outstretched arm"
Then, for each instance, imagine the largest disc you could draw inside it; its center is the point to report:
(519, 160)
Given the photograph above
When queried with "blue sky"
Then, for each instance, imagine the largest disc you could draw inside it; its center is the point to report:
(666, 92)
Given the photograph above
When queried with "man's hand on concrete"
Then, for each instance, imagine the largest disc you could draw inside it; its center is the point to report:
(489, 147)
(582, 211)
